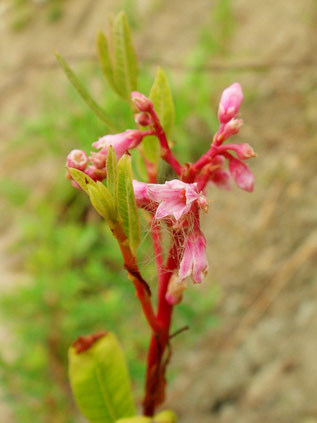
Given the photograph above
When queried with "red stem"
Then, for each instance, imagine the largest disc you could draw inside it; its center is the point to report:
(166, 152)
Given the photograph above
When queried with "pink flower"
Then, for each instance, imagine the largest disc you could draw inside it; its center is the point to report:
(95, 173)
(241, 174)
(98, 159)
(140, 193)
(229, 129)
(230, 102)
(77, 159)
(175, 290)
(120, 142)
(142, 103)
(194, 261)
(175, 198)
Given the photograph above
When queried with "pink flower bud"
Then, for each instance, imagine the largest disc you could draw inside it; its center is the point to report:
(175, 290)
(77, 159)
(222, 179)
(95, 173)
(142, 103)
(230, 128)
(175, 198)
(98, 159)
(244, 151)
(230, 102)
(241, 174)
(120, 142)
(143, 119)
(194, 261)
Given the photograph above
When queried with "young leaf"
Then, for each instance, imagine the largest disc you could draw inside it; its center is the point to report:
(100, 381)
(112, 169)
(126, 203)
(125, 68)
(136, 419)
(107, 200)
(163, 102)
(81, 178)
(84, 94)
(105, 59)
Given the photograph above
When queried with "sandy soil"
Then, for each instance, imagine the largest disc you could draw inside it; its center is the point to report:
(260, 364)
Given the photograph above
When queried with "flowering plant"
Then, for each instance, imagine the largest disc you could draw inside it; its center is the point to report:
(98, 374)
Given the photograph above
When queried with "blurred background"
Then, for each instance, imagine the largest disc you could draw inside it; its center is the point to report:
(250, 353)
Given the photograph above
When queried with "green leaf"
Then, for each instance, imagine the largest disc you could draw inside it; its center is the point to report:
(112, 170)
(102, 201)
(127, 208)
(166, 416)
(100, 381)
(125, 66)
(163, 102)
(81, 178)
(105, 59)
(136, 419)
(108, 201)
(84, 94)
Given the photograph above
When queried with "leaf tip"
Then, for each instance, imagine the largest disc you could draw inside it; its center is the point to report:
(83, 343)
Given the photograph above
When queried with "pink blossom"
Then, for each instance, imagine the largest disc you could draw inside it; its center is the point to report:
(77, 159)
(243, 151)
(140, 193)
(241, 174)
(120, 142)
(194, 261)
(175, 198)
(95, 173)
(142, 103)
(175, 290)
(231, 128)
(230, 102)
(98, 159)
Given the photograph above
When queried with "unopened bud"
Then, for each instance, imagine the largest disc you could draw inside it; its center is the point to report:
(230, 102)
(245, 151)
(96, 174)
(98, 159)
(77, 159)
(143, 119)
(142, 103)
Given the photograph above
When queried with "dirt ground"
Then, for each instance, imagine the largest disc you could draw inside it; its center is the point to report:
(259, 365)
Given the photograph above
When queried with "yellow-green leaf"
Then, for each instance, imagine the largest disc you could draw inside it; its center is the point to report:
(136, 419)
(105, 59)
(81, 178)
(112, 170)
(125, 66)
(163, 102)
(166, 416)
(100, 381)
(127, 208)
(84, 94)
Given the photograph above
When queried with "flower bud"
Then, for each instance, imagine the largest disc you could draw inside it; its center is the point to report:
(120, 142)
(244, 151)
(230, 102)
(98, 159)
(175, 290)
(230, 128)
(77, 159)
(142, 103)
(143, 119)
(95, 173)
(241, 174)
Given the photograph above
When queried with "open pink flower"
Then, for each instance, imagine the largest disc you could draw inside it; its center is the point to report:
(230, 102)
(120, 142)
(140, 193)
(194, 261)
(175, 198)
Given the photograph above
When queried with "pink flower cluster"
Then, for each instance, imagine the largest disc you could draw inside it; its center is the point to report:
(178, 202)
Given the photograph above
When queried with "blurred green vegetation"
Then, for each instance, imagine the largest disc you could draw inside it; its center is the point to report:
(77, 285)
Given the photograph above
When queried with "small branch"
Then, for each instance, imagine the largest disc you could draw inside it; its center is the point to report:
(183, 329)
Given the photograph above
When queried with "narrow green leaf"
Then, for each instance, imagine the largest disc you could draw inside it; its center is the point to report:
(112, 170)
(125, 69)
(163, 102)
(84, 94)
(81, 178)
(166, 416)
(108, 201)
(127, 208)
(105, 59)
(100, 381)
(136, 419)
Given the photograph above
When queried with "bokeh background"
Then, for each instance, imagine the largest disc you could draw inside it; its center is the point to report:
(250, 353)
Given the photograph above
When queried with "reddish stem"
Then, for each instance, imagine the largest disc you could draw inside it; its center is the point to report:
(166, 152)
